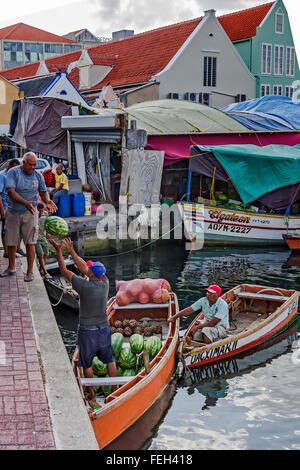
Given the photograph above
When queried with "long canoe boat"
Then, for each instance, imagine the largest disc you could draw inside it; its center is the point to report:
(257, 313)
(244, 362)
(136, 394)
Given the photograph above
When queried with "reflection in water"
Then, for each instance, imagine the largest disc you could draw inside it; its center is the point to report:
(212, 381)
(248, 403)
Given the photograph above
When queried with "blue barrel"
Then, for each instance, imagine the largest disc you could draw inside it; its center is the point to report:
(64, 206)
(77, 205)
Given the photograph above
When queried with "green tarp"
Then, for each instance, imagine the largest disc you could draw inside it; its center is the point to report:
(256, 171)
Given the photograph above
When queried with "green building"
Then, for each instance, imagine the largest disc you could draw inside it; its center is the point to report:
(263, 37)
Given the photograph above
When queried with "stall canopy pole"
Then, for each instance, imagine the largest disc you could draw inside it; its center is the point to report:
(189, 186)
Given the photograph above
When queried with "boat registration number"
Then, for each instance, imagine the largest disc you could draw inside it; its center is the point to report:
(229, 228)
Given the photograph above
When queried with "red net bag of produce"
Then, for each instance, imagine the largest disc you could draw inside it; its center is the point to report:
(143, 291)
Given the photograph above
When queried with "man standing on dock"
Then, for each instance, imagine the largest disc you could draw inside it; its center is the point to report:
(23, 185)
(94, 337)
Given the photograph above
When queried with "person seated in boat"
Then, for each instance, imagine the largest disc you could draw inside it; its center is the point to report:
(94, 338)
(213, 322)
(41, 247)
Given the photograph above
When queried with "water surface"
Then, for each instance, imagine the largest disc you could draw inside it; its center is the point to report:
(249, 403)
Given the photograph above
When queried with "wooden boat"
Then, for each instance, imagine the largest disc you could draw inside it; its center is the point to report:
(128, 403)
(293, 242)
(219, 225)
(139, 435)
(243, 171)
(257, 313)
(58, 288)
(244, 362)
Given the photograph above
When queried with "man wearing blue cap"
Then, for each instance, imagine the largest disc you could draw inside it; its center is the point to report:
(94, 338)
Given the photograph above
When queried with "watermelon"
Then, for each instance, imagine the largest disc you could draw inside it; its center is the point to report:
(136, 343)
(119, 371)
(117, 340)
(99, 369)
(140, 363)
(153, 345)
(106, 389)
(127, 360)
(56, 226)
(129, 373)
(223, 198)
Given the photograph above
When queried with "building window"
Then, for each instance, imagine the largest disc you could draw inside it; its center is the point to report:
(52, 50)
(266, 59)
(279, 22)
(278, 60)
(289, 91)
(33, 52)
(210, 71)
(71, 48)
(277, 90)
(290, 61)
(265, 90)
(13, 54)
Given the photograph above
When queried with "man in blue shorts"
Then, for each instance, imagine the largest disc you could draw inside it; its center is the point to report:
(23, 185)
(94, 337)
(214, 320)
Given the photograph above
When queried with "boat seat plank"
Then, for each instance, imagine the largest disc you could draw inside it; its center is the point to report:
(249, 295)
(100, 381)
(140, 306)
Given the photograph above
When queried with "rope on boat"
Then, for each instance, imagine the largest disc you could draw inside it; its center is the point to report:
(62, 294)
(144, 246)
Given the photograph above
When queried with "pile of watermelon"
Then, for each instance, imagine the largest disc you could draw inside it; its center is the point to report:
(143, 291)
(128, 357)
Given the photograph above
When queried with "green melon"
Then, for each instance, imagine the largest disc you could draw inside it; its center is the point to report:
(153, 345)
(56, 226)
(99, 369)
(223, 198)
(119, 371)
(129, 373)
(136, 343)
(127, 360)
(96, 389)
(106, 389)
(117, 340)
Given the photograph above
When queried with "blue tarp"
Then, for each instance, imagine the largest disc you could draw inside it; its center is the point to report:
(277, 113)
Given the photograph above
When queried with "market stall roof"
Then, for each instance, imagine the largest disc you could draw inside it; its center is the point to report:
(273, 112)
(260, 122)
(256, 172)
(174, 117)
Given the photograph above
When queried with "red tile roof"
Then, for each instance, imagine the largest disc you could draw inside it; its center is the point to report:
(25, 32)
(242, 24)
(137, 58)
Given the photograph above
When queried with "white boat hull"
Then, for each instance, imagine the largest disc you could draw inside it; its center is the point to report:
(220, 225)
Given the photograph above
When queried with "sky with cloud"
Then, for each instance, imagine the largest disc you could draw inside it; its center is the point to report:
(102, 17)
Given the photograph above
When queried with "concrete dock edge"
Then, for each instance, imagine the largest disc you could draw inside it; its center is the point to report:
(72, 428)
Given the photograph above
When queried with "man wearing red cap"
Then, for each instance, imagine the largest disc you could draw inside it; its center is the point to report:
(213, 321)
